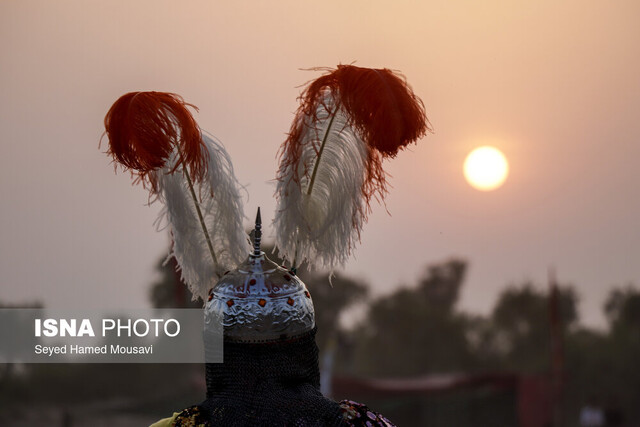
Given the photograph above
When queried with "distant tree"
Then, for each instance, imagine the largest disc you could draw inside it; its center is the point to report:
(417, 330)
(8, 369)
(331, 300)
(622, 309)
(441, 284)
(521, 325)
(604, 364)
(169, 291)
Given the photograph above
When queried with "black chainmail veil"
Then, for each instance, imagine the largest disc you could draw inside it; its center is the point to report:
(269, 384)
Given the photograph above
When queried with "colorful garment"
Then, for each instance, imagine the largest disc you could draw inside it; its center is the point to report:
(355, 415)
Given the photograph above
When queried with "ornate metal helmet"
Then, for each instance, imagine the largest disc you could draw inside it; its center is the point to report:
(260, 301)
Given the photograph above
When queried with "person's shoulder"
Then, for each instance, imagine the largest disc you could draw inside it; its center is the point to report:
(190, 417)
(358, 414)
(354, 414)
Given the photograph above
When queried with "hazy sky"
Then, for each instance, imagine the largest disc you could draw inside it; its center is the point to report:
(553, 84)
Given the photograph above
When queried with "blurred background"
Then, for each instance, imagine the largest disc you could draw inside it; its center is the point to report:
(517, 306)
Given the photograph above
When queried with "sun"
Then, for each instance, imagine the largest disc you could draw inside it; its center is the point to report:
(486, 168)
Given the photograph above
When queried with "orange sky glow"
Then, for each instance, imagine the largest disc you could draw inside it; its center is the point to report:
(553, 85)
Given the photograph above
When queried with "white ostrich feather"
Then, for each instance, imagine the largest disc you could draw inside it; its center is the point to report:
(319, 218)
(220, 204)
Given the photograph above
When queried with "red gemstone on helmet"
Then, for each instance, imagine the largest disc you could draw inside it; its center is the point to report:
(230, 302)
(290, 301)
(262, 302)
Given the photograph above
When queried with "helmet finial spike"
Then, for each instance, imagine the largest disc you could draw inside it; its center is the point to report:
(257, 235)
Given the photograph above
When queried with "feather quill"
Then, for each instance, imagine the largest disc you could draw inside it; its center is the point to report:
(220, 210)
(349, 120)
(154, 136)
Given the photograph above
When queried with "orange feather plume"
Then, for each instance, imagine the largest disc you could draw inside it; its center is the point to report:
(349, 120)
(144, 128)
(382, 108)
(154, 136)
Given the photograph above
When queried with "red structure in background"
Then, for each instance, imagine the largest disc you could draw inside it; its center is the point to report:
(536, 399)
(533, 394)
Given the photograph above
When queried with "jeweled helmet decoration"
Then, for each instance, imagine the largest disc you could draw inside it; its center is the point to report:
(260, 301)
